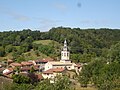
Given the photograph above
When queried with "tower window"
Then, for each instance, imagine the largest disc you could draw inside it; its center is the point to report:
(67, 54)
(64, 54)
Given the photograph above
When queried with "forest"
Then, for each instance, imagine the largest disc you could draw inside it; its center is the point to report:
(99, 48)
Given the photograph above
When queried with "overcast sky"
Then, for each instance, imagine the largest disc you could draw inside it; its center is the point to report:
(45, 14)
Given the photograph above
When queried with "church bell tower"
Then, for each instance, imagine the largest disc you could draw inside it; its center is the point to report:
(65, 54)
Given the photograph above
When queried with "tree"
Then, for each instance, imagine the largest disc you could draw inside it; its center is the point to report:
(8, 48)
(22, 86)
(114, 53)
(17, 78)
(62, 83)
(2, 51)
(46, 49)
(44, 85)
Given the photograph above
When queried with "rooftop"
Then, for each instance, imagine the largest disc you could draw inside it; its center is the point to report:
(59, 63)
(50, 71)
(26, 63)
(15, 64)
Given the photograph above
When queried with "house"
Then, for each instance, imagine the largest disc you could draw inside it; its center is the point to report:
(28, 68)
(57, 64)
(13, 65)
(25, 69)
(9, 61)
(41, 63)
(26, 64)
(8, 72)
(52, 73)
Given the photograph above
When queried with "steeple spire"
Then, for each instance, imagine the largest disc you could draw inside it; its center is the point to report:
(65, 43)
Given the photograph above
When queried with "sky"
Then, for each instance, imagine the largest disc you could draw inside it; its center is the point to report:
(44, 14)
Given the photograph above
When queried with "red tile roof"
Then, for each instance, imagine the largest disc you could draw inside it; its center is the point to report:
(50, 71)
(29, 68)
(25, 68)
(26, 63)
(44, 61)
(9, 60)
(36, 67)
(15, 64)
(39, 76)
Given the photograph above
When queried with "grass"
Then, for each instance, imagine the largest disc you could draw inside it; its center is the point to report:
(32, 56)
(44, 42)
(47, 42)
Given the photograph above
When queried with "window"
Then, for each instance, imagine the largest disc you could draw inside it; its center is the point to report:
(64, 54)
(67, 54)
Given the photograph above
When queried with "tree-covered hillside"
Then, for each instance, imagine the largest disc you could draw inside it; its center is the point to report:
(84, 44)
(98, 48)
(88, 43)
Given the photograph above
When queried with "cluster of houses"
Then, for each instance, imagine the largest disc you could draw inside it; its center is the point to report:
(44, 68)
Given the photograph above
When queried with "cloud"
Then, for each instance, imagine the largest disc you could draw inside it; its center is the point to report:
(14, 15)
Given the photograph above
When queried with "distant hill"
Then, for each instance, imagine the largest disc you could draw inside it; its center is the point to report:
(82, 42)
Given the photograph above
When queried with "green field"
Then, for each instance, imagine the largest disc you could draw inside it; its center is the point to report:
(47, 42)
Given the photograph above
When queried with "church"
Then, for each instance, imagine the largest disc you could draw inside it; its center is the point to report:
(64, 62)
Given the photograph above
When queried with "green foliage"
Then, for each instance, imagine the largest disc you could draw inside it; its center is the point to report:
(44, 85)
(8, 48)
(2, 51)
(32, 70)
(23, 86)
(46, 49)
(109, 77)
(83, 42)
(114, 53)
(86, 45)
(61, 83)
(104, 76)
(75, 57)
(17, 78)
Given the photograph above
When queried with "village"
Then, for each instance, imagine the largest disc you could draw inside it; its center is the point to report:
(46, 68)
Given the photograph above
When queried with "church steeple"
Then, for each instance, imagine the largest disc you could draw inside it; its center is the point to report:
(65, 53)
(65, 45)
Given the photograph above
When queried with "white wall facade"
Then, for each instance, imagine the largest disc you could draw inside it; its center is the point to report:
(65, 55)
(48, 66)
